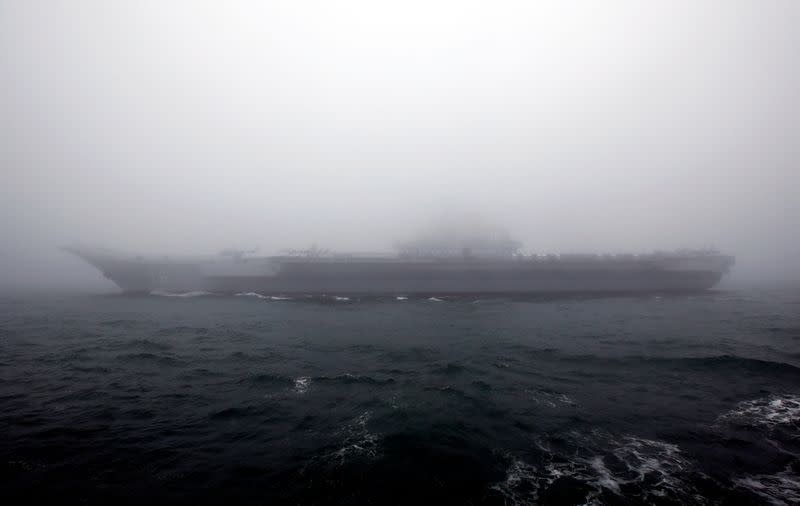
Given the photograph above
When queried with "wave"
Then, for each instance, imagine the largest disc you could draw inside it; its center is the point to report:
(481, 385)
(124, 324)
(182, 329)
(748, 363)
(269, 379)
(355, 441)
(148, 357)
(251, 294)
(779, 488)
(257, 295)
(639, 469)
(708, 363)
(352, 442)
(550, 398)
(193, 293)
(353, 379)
(201, 372)
(790, 331)
(301, 385)
(521, 485)
(26, 465)
(146, 344)
(450, 369)
(232, 413)
(91, 369)
(358, 439)
(435, 299)
(455, 393)
(768, 412)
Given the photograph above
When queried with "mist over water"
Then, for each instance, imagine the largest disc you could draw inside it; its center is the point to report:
(185, 127)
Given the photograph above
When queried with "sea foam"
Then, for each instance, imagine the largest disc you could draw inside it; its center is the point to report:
(649, 471)
(252, 294)
(779, 488)
(769, 412)
(193, 293)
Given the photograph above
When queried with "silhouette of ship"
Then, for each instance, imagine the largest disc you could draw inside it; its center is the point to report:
(438, 264)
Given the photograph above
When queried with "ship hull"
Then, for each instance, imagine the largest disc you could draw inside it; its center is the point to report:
(525, 283)
(291, 276)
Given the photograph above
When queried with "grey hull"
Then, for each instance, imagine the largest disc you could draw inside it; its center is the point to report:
(377, 276)
(541, 283)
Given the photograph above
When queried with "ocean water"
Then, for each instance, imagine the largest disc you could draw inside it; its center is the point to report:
(200, 399)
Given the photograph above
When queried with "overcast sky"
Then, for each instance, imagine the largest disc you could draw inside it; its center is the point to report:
(191, 126)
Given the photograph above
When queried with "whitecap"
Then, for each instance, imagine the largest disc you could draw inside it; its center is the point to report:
(341, 299)
(193, 293)
(766, 412)
(301, 385)
(401, 298)
(276, 297)
(357, 440)
(435, 299)
(645, 458)
(251, 294)
(604, 477)
(520, 485)
(657, 469)
(549, 399)
(779, 488)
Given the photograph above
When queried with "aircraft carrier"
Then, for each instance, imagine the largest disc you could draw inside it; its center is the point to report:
(428, 266)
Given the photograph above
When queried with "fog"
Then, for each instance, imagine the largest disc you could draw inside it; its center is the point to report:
(189, 126)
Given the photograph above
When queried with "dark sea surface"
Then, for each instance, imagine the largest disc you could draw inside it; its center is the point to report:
(200, 399)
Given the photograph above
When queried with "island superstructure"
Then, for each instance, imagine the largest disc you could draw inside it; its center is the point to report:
(426, 266)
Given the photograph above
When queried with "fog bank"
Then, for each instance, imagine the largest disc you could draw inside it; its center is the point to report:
(188, 126)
